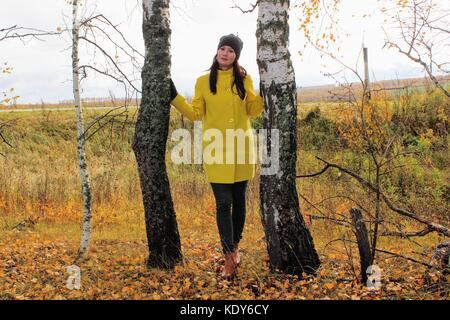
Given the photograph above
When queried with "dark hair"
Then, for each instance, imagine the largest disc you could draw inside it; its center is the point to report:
(239, 74)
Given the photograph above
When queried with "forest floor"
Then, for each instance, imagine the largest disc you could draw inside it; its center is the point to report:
(34, 264)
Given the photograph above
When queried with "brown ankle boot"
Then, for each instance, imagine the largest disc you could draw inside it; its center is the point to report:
(229, 269)
(236, 255)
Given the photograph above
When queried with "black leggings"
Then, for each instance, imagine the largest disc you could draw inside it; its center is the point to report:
(230, 206)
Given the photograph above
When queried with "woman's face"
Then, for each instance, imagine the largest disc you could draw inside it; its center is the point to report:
(225, 57)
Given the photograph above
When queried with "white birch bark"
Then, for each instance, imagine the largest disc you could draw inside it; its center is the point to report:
(289, 243)
(81, 142)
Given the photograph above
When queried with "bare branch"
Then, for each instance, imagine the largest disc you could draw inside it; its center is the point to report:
(5, 141)
(314, 174)
(366, 184)
(16, 32)
(110, 119)
(424, 34)
(392, 254)
(3, 125)
(108, 56)
(105, 73)
(420, 233)
(336, 221)
(253, 7)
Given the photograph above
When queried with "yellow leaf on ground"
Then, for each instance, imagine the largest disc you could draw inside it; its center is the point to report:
(329, 286)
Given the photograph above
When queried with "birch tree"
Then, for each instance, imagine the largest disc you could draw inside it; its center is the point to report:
(81, 141)
(289, 242)
(105, 45)
(151, 135)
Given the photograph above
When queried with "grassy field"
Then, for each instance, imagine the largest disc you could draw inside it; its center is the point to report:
(40, 220)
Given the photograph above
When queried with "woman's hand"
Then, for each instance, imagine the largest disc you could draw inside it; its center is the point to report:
(173, 91)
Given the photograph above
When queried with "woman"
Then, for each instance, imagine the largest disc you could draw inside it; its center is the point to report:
(224, 99)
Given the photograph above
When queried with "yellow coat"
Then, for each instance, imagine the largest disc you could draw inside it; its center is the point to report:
(222, 111)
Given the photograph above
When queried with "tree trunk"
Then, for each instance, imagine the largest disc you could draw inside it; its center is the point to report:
(362, 237)
(151, 136)
(289, 242)
(441, 257)
(81, 141)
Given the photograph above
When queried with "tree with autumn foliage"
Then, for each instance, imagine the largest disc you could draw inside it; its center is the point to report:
(374, 133)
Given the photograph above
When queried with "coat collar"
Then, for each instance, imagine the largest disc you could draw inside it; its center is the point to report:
(228, 72)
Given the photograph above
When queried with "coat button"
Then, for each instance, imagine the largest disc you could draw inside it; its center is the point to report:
(231, 120)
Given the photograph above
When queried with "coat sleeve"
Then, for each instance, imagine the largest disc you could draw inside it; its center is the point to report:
(194, 110)
(255, 103)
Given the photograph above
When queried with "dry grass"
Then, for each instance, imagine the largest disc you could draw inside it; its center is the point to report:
(39, 182)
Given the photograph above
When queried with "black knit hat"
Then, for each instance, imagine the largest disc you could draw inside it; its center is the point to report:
(233, 41)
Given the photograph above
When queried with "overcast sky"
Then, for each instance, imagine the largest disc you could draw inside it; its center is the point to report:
(42, 70)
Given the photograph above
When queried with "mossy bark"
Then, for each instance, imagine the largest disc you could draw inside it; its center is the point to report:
(151, 136)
